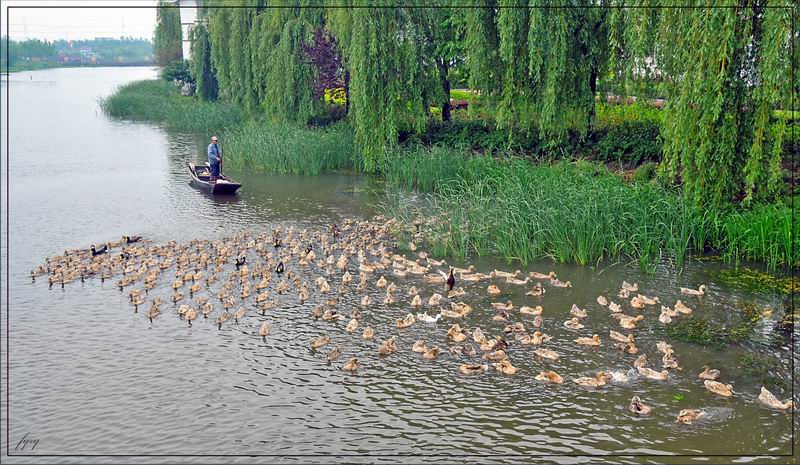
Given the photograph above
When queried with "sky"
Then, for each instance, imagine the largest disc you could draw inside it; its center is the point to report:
(52, 19)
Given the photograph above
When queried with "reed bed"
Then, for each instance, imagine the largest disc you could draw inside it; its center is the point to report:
(287, 148)
(161, 102)
(575, 212)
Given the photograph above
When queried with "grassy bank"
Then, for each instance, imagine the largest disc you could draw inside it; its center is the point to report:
(568, 211)
(161, 102)
(577, 212)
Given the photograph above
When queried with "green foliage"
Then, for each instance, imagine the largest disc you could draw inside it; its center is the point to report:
(288, 96)
(388, 80)
(645, 173)
(630, 142)
(768, 233)
(161, 102)
(177, 70)
(167, 38)
(286, 148)
(716, 121)
(201, 68)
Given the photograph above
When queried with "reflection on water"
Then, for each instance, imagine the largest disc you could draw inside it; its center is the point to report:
(90, 376)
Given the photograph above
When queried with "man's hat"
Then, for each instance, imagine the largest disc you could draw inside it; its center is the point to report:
(214, 138)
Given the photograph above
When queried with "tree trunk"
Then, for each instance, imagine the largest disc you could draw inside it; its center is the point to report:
(444, 76)
(347, 92)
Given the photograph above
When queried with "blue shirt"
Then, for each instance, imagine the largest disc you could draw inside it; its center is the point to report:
(214, 153)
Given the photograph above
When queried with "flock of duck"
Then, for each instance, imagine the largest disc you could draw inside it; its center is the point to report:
(251, 270)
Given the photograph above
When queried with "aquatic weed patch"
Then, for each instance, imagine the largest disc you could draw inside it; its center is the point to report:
(705, 332)
(756, 281)
(762, 367)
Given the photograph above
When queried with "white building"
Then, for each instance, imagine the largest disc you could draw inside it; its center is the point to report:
(189, 14)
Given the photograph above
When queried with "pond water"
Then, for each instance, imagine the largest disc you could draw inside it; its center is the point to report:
(88, 376)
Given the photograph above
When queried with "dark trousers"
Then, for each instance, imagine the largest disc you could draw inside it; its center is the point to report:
(214, 170)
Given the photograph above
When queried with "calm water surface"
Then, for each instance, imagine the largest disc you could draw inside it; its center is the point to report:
(90, 376)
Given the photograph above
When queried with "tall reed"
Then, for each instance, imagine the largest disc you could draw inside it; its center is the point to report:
(577, 212)
(288, 148)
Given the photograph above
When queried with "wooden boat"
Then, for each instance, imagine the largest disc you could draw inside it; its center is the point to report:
(202, 173)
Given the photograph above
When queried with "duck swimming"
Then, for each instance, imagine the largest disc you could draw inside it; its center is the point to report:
(320, 341)
(620, 337)
(638, 407)
(549, 376)
(505, 367)
(100, 251)
(573, 323)
(264, 330)
(470, 369)
(708, 373)
(557, 283)
(419, 346)
(599, 380)
(432, 353)
(689, 416)
(425, 318)
(525, 310)
(334, 353)
(701, 291)
(652, 374)
(680, 307)
(493, 290)
(350, 365)
(546, 353)
(725, 390)
(539, 338)
(388, 346)
(537, 275)
(536, 291)
(368, 333)
(577, 312)
(280, 268)
(455, 333)
(508, 306)
(630, 287)
(768, 399)
(624, 294)
(351, 326)
(435, 299)
(405, 322)
(381, 282)
(589, 341)
(416, 301)
(478, 336)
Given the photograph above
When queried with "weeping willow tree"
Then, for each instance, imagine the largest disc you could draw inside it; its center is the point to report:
(540, 65)
(200, 66)
(282, 75)
(390, 80)
(167, 38)
(724, 70)
(229, 33)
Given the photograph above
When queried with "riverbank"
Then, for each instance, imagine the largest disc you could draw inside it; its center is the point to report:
(36, 65)
(491, 202)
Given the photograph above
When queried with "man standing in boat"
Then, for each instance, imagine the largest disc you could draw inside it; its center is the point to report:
(214, 158)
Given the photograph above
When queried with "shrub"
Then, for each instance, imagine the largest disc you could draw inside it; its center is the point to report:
(646, 172)
(177, 70)
(629, 142)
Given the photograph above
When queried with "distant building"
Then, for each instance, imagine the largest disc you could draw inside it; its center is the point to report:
(189, 16)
